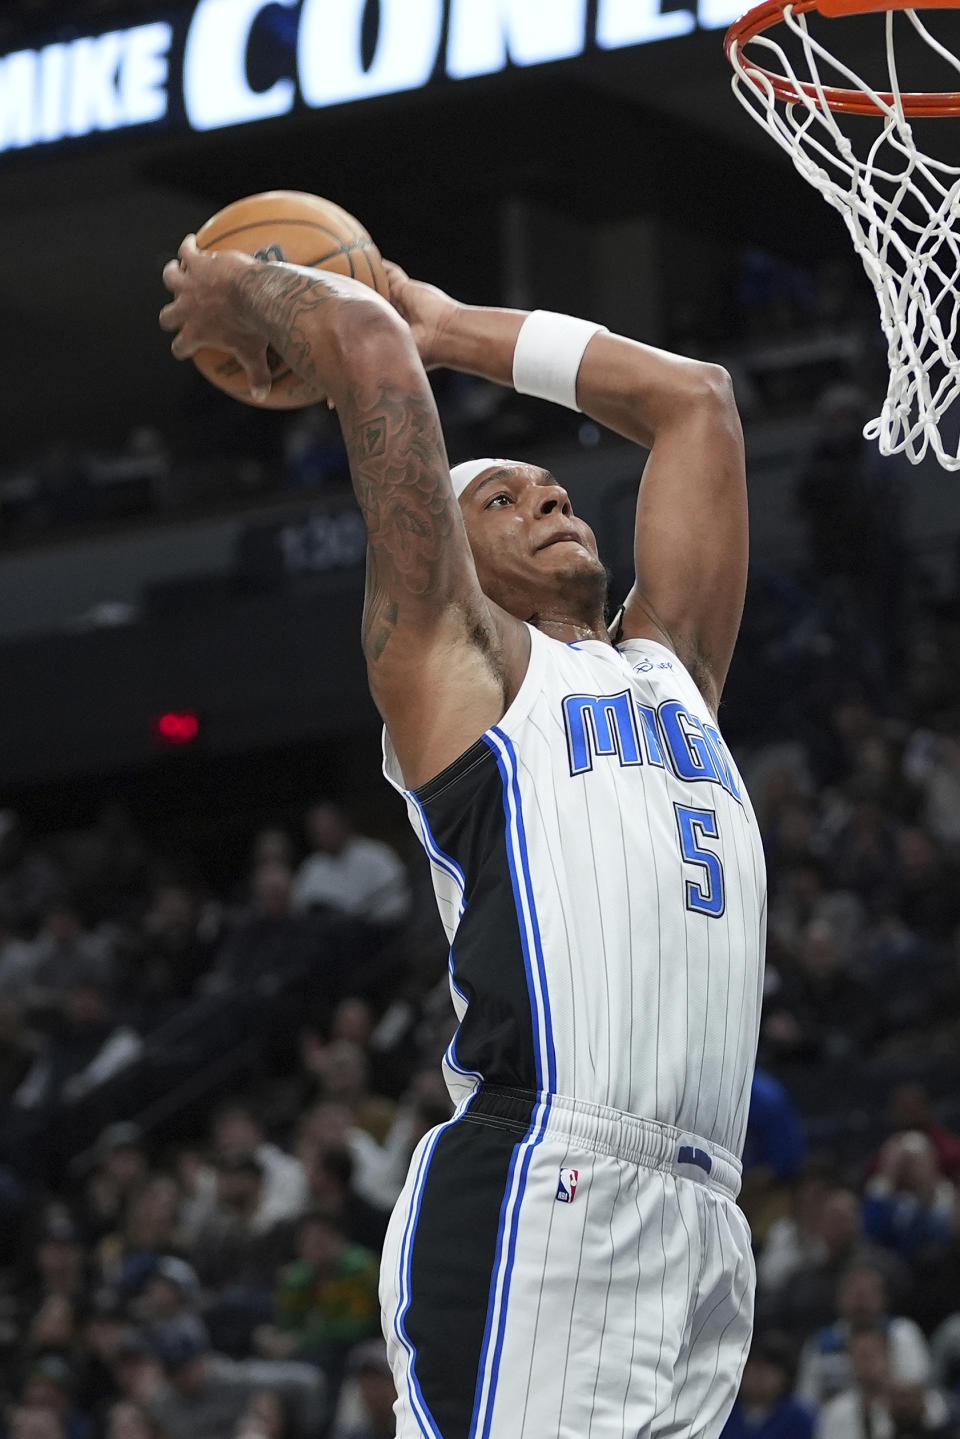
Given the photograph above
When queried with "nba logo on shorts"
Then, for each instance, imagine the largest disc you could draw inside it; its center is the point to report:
(567, 1187)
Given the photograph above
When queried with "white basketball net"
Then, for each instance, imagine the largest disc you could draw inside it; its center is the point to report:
(902, 209)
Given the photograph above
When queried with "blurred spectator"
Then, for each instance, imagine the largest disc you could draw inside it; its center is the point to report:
(121, 1169)
(910, 1108)
(803, 897)
(330, 1187)
(272, 845)
(932, 762)
(27, 1422)
(825, 1361)
(929, 891)
(265, 1417)
(937, 1285)
(136, 1368)
(326, 1300)
(793, 1242)
(206, 1395)
(823, 1012)
(59, 1263)
(171, 1291)
(53, 1326)
(342, 1074)
(50, 1385)
(376, 1394)
(237, 1130)
(16, 959)
(86, 1046)
(917, 1410)
(772, 1155)
(791, 835)
(61, 952)
(877, 1405)
(150, 1228)
(908, 1204)
(425, 1105)
(859, 1410)
(19, 1048)
(106, 862)
(862, 852)
(374, 1174)
(807, 1303)
(129, 1421)
(177, 945)
(349, 873)
(353, 1020)
(765, 1407)
(104, 1326)
(945, 1349)
(271, 943)
(239, 1245)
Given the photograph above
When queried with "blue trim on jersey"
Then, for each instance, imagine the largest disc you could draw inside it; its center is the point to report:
(451, 1060)
(453, 978)
(497, 1307)
(449, 865)
(425, 1420)
(546, 1070)
(442, 860)
(417, 1402)
(505, 1211)
(511, 1255)
(522, 884)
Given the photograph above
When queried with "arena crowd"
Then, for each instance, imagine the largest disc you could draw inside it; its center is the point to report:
(209, 1099)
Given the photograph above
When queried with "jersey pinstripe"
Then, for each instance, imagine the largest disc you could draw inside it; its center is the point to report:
(600, 877)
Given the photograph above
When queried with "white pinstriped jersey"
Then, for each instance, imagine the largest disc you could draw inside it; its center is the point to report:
(600, 876)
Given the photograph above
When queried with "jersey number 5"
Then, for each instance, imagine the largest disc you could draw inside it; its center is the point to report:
(704, 896)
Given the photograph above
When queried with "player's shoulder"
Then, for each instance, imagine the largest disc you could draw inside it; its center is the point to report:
(654, 660)
(646, 656)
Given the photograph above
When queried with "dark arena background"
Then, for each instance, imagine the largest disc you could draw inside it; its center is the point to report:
(223, 985)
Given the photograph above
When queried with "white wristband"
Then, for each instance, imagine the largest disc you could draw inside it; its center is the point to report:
(547, 358)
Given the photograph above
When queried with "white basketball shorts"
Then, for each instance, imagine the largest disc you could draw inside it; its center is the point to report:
(559, 1270)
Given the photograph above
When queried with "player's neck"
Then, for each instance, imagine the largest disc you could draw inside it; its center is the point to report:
(568, 628)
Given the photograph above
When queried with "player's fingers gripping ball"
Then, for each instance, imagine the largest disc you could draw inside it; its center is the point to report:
(305, 230)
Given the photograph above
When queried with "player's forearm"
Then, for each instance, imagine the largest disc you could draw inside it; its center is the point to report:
(632, 388)
(314, 320)
(480, 340)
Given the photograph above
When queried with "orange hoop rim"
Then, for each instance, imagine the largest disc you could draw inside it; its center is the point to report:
(762, 17)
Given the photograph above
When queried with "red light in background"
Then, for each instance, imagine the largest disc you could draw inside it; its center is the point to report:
(176, 727)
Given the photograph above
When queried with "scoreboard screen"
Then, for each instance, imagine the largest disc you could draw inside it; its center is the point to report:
(219, 63)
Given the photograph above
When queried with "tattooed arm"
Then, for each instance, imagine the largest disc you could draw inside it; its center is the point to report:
(442, 661)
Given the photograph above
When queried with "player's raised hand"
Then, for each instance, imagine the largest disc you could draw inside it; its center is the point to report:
(426, 309)
(205, 311)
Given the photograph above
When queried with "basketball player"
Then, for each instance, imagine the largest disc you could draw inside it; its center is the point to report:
(567, 1258)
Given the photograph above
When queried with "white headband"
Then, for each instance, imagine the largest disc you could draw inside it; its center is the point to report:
(463, 475)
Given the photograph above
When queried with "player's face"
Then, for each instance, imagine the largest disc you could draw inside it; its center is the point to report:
(529, 548)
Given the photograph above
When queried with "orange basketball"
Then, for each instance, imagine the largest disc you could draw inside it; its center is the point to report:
(301, 228)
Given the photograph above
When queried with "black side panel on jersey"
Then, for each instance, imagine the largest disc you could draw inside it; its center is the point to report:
(451, 1267)
(465, 811)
